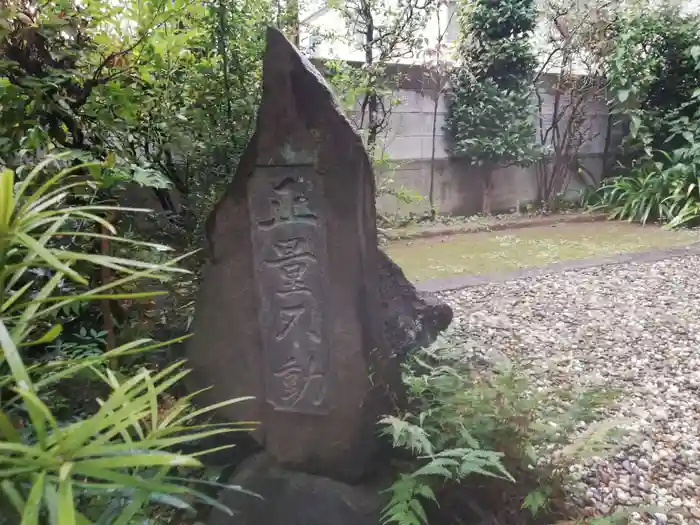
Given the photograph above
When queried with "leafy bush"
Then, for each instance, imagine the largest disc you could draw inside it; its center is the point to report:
(466, 423)
(491, 110)
(653, 192)
(653, 76)
(125, 452)
(491, 106)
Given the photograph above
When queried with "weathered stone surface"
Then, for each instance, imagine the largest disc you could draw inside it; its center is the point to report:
(289, 309)
(295, 498)
(412, 319)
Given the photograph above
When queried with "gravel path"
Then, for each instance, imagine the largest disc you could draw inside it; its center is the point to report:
(633, 327)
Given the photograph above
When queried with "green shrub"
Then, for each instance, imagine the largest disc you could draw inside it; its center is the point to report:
(653, 192)
(652, 75)
(652, 72)
(466, 424)
(108, 466)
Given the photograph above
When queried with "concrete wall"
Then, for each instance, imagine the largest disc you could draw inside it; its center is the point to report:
(458, 186)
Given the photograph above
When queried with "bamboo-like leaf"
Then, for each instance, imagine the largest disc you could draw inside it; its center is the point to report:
(171, 501)
(109, 286)
(50, 258)
(26, 322)
(37, 409)
(51, 500)
(76, 437)
(8, 432)
(31, 258)
(179, 407)
(133, 348)
(41, 193)
(13, 496)
(93, 297)
(31, 452)
(118, 263)
(32, 509)
(37, 170)
(81, 519)
(157, 459)
(215, 449)
(73, 212)
(7, 205)
(16, 472)
(112, 447)
(95, 207)
(15, 296)
(66, 505)
(116, 407)
(48, 337)
(40, 197)
(215, 406)
(38, 206)
(11, 355)
(162, 443)
(132, 481)
(113, 238)
(204, 498)
(215, 484)
(139, 500)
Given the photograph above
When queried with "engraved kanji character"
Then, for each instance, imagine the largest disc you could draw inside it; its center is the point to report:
(291, 377)
(290, 248)
(288, 203)
(289, 317)
(292, 274)
(300, 384)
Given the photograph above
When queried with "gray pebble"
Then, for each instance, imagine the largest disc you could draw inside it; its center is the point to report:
(634, 328)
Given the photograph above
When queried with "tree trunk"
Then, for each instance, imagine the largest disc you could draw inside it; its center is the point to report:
(224, 57)
(371, 94)
(431, 191)
(373, 127)
(293, 21)
(606, 148)
(487, 187)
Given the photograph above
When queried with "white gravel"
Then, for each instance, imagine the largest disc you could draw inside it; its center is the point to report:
(632, 327)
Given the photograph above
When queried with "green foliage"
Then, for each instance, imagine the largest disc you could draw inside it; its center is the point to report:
(163, 90)
(126, 452)
(466, 423)
(653, 73)
(162, 94)
(411, 491)
(491, 108)
(654, 192)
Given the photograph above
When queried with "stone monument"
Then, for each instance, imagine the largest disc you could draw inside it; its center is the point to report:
(297, 305)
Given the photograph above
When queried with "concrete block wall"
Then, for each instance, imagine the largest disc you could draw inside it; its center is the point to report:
(408, 142)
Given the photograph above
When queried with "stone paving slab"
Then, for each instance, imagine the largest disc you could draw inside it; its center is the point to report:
(457, 282)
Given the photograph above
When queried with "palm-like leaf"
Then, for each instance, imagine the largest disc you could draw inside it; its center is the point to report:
(128, 445)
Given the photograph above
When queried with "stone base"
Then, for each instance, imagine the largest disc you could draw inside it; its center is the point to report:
(295, 498)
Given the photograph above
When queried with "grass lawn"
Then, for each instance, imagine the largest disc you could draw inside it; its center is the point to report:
(492, 252)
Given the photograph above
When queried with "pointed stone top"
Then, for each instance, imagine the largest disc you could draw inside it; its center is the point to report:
(297, 106)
